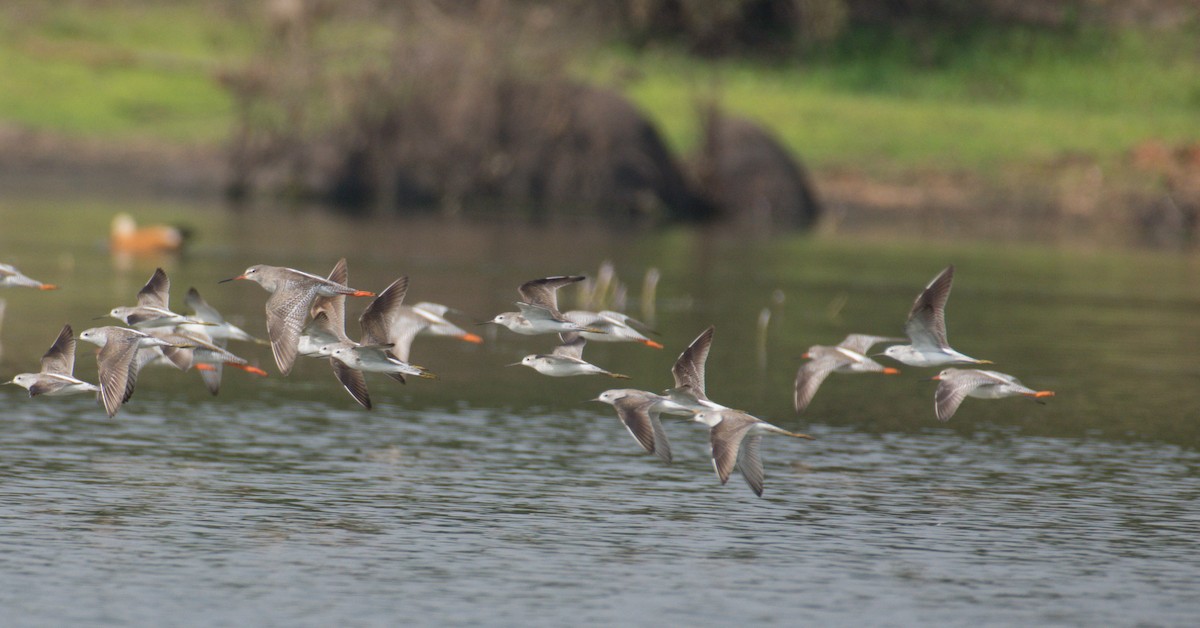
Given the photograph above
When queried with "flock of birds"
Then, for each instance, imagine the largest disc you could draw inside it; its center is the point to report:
(306, 316)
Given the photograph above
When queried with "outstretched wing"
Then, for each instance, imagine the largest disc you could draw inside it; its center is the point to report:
(862, 343)
(286, 312)
(636, 414)
(543, 292)
(118, 372)
(201, 308)
(951, 391)
(376, 320)
(334, 307)
(60, 358)
(689, 367)
(926, 326)
(726, 438)
(353, 381)
(572, 346)
(750, 463)
(156, 291)
(809, 378)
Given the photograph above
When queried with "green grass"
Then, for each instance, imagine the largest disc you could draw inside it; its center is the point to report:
(977, 100)
(119, 70)
(1005, 98)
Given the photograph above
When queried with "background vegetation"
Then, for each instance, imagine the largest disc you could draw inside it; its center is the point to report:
(879, 89)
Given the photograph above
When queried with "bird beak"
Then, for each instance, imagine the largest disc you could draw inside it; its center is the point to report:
(14, 381)
(935, 378)
(513, 364)
(96, 318)
(486, 323)
(806, 355)
(232, 279)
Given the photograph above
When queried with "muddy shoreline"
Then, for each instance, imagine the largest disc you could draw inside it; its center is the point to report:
(1143, 202)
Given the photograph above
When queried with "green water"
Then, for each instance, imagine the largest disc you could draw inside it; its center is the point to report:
(496, 495)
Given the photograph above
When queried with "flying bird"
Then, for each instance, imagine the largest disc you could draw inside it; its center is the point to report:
(926, 328)
(848, 356)
(955, 385)
(56, 377)
(734, 436)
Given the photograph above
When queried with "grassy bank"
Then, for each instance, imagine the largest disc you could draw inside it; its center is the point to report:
(119, 71)
(1008, 98)
(977, 101)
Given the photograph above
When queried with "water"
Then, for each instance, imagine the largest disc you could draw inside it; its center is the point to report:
(498, 496)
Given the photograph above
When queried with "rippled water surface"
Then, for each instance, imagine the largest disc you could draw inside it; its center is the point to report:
(495, 495)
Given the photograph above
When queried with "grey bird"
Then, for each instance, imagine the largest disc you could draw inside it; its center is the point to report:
(117, 361)
(292, 294)
(848, 356)
(327, 332)
(639, 412)
(196, 350)
(214, 324)
(152, 309)
(423, 319)
(688, 372)
(617, 327)
(10, 277)
(539, 309)
(373, 352)
(56, 377)
(955, 385)
(926, 328)
(566, 360)
(734, 436)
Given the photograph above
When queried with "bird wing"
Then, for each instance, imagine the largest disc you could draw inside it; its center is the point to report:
(543, 292)
(538, 313)
(45, 385)
(334, 307)
(181, 357)
(353, 381)
(156, 291)
(201, 308)
(662, 446)
(437, 309)
(15, 277)
(60, 357)
(809, 378)
(689, 367)
(584, 318)
(726, 438)
(403, 326)
(376, 320)
(572, 346)
(862, 343)
(212, 378)
(286, 311)
(926, 325)
(642, 422)
(118, 371)
(951, 392)
(321, 330)
(750, 463)
(626, 320)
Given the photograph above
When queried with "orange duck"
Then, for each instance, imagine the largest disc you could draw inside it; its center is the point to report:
(126, 237)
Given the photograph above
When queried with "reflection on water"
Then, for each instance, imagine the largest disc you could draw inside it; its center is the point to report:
(496, 495)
